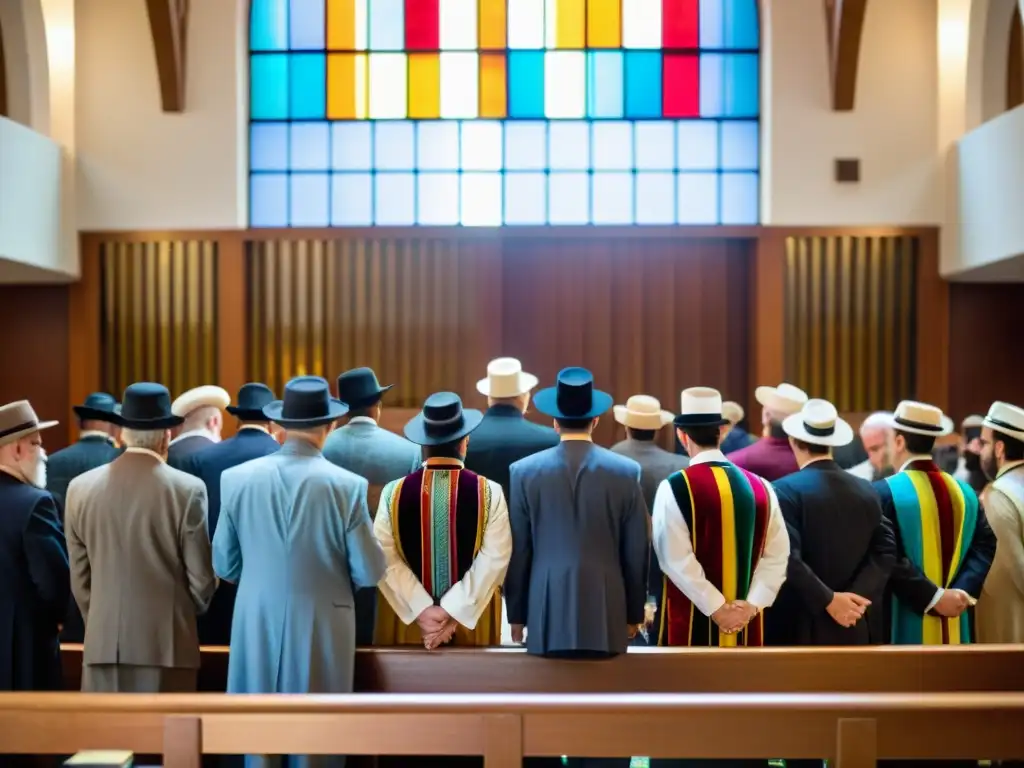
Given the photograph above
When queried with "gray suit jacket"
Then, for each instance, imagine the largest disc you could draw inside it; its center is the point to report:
(581, 543)
(655, 462)
(373, 453)
(141, 566)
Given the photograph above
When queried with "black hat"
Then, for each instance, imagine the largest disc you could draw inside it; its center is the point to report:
(359, 388)
(307, 403)
(251, 399)
(573, 396)
(147, 405)
(442, 420)
(99, 406)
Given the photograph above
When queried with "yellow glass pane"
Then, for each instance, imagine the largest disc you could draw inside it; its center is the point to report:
(570, 23)
(346, 25)
(346, 86)
(424, 85)
(492, 24)
(492, 85)
(604, 23)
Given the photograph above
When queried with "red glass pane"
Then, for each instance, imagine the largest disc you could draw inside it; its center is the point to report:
(422, 25)
(680, 23)
(680, 93)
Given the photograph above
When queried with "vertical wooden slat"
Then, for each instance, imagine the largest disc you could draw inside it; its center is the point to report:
(831, 368)
(87, 320)
(890, 332)
(908, 258)
(848, 365)
(933, 331)
(230, 328)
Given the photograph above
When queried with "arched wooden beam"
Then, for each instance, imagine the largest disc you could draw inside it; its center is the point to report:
(845, 23)
(168, 23)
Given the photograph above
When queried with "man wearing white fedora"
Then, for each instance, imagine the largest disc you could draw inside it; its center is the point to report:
(841, 547)
(771, 457)
(1000, 614)
(202, 410)
(944, 545)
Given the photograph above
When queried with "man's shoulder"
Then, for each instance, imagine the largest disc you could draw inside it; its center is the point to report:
(534, 461)
(180, 480)
(87, 480)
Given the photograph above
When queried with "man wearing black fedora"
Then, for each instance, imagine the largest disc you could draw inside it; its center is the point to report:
(250, 441)
(140, 557)
(295, 536)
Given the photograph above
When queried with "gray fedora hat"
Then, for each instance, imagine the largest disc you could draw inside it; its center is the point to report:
(19, 419)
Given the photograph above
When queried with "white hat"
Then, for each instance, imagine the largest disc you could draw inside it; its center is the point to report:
(208, 394)
(732, 411)
(642, 412)
(1006, 419)
(921, 419)
(783, 400)
(877, 420)
(506, 378)
(972, 422)
(700, 407)
(818, 423)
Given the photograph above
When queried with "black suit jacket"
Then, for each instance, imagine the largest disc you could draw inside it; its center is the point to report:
(36, 587)
(208, 465)
(839, 542)
(504, 437)
(179, 454)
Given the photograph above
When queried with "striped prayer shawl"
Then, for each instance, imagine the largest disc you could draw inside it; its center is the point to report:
(726, 511)
(937, 515)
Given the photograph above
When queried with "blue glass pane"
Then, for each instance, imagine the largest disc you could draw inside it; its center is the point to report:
(526, 198)
(437, 145)
(711, 22)
(269, 87)
(741, 23)
(394, 199)
(612, 147)
(569, 147)
(306, 22)
(712, 75)
(268, 147)
(739, 198)
(310, 146)
(480, 205)
(268, 25)
(268, 200)
(604, 84)
(655, 198)
(656, 145)
(740, 145)
(394, 146)
(309, 200)
(387, 25)
(643, 84)
(437, 197)
(742, 85)
(308, 86)
(526, 84)
(697, 198)
(613, 198)
(351, 146)
(525, 146)
(569, 198)
(351, 200)
(697, 145)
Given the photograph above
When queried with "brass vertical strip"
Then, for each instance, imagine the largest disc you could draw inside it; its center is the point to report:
(891, 330)
(109, 276)
(124, 255)
(817, 318)
(406, 326)
(192, 288)
(421, 275)
(847, 368)
(390, 313)
(361, 286)
(137, 351)
(831, 312)
(257, 316)
(437, 316)
(860, 321)
(346, 290)
(179, 288)
(212, 348)
(908, 320)
(152, 314)
(298, 278)
(874, 361)
(332, 299)
(803, 308)
(316, 310)
(286, 309)
(375, 315)
(789, 324)
(273, 309)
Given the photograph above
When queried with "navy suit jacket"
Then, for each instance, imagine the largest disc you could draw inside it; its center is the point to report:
(36, 587)
(208, 465)
(503, 438)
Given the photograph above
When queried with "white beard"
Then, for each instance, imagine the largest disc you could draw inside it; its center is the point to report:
(34, 472)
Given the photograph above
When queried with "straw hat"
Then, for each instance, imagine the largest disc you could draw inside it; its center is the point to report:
(921, 419)
(783, 400)
(818, 423)
(642, 412)
(1006, 419)
(208, 394)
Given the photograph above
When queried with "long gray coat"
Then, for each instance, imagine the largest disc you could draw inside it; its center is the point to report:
(580, 549)
(373, 453)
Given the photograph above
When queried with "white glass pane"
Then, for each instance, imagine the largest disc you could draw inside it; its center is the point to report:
(613, 146)
(459, 90)
(526, 198)
(437, 146)
(525, 146)
(308, 200)
(481, 200)
(306, 25)
(655, 145)
(697, 198)
(310, 148)
(740, 146)
(568, 198)
(565, 91)
(570, 145)
(351, 200)
(641, 23)
(712, 75)
(613, 198)
(526, 24)
(387, 25)
(711, 27)
(268, 147)
(387, 85)
(655, 198)
(351, 147)
(394, 197)
(268, 200)
(481, 145)
(739, 198)
(393, 147)
(697, 145)
(458, 25)
(362, 26)
(437, 197)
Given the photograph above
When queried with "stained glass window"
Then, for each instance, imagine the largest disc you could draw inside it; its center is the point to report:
(503, 112)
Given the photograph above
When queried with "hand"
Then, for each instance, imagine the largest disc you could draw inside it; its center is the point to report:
(730, 618)
(749, 610)
(631, 630)
(517, 633)
(432, 641)
(432, 620)
(847, 608)
(952, 603)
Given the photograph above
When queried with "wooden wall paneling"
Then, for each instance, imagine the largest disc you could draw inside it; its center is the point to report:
(932, 328)
(83, 333)
(230, 325)
(768, 319)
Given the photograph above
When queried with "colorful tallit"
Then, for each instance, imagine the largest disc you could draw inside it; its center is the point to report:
(937, 515)
(438, 518)
(726, 510)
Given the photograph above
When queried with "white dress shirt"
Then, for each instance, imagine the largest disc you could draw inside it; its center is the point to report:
(674, 548)
(466, 600)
